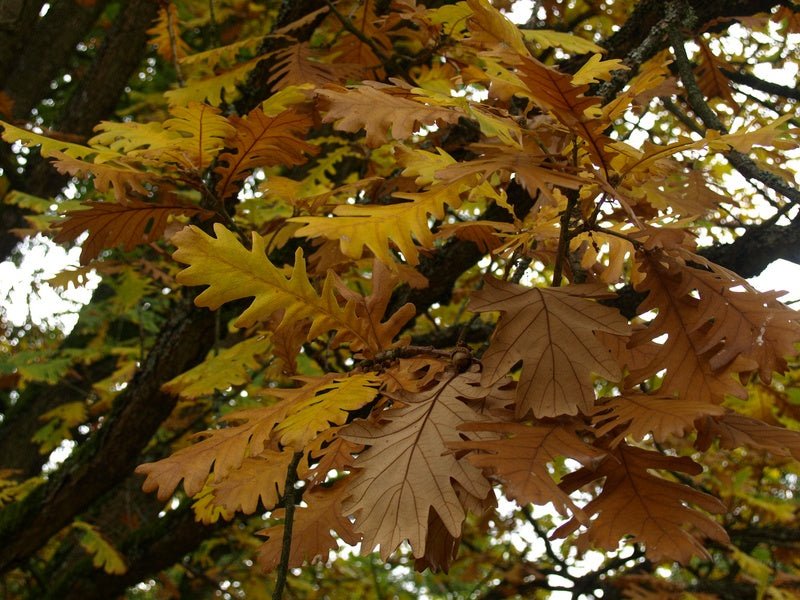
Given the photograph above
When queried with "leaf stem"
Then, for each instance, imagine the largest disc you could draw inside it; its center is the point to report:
(289, 495)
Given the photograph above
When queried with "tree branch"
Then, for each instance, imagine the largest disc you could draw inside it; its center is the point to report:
(289, 494)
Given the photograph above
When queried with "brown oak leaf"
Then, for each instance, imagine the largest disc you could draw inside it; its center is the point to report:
(648, 508)
(407, 470)
(551, 330)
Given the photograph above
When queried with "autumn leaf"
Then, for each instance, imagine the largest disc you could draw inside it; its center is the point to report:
(648, 508)
(233, 272)
(320, 405)
(311, 531)
(121, 176)
(519, 459)
(296, 418)
(406, 470)
(300, 64)
(737, 431)
(551, 331)
(638, 415)
(258, 478)
(225, 449)
(227, 367)
(710, 79)
(709, 326)
(129, 224)
(377, 227)
(104, 555)
(191, 138)
(263, 141)
(379, 110)
(683, 355)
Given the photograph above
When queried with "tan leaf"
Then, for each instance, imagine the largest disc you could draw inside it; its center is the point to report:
(331, 453)
(261, 477)
(520, 458)
(311, 529)
(299, 64)
(128, 225)
(645, 507)
(638, 415)
(715, 322)
(121, 176)
(407, 470)
(225, 449)
(738, 431)
(377, 111)
(529, 166)
(551, 331)
(682, 355)
(710, 79)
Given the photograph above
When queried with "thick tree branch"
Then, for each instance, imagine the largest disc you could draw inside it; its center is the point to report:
(768, 87)
(110, 455)
(48, 51)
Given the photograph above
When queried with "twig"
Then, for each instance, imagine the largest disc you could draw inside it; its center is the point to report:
(348, 25)
(743, 163)
(289, 493)
(564, 239)
(560, 563)
(173, 46)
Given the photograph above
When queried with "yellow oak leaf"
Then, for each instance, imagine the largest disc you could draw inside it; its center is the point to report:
(233, 272)
(229, 366)
(323, 403)
(376, 227)
(104, 555)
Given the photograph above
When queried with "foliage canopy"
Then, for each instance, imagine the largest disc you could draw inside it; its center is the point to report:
(466, 296)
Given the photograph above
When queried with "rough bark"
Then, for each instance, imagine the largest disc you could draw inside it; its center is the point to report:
(108, 456)
(48, 51)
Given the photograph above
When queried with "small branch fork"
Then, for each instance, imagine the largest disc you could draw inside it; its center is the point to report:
(741, 162)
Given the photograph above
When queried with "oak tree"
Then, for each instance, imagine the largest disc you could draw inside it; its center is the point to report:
(402, 299)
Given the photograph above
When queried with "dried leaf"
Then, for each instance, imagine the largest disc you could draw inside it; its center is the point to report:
(311, 529)
(649, 509)
(377, 111)
(551, 331)
(638, 415)
(263, 141)
(519, 460)
(128, 225)
(407, 470)
(738, 431)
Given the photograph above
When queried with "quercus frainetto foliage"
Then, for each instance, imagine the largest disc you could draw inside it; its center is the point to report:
(371, 269)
